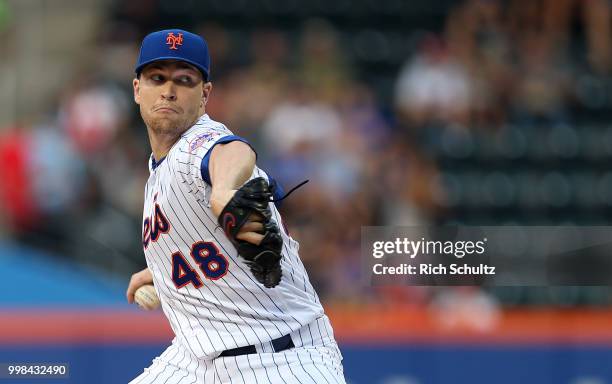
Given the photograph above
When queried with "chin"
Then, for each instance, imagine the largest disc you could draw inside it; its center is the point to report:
(164, 125)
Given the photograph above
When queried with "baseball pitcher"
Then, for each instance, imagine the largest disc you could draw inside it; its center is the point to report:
(228, 275)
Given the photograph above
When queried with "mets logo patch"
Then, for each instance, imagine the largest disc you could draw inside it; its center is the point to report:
(172, 40)
(202, 139)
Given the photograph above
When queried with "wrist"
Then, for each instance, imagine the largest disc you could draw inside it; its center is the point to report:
(219, 199)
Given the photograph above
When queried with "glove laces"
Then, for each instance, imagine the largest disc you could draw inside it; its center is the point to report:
(290, 191)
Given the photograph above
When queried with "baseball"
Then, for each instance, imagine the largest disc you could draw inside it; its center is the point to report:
(146, 297)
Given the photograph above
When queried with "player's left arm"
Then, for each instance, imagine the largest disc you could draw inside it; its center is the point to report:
(229, 167)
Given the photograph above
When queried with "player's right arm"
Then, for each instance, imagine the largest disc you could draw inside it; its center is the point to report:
(138, 280)
(230, 166)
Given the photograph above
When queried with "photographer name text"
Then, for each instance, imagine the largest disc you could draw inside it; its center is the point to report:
(426, 269)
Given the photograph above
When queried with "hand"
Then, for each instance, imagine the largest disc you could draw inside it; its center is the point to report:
(138, 280)
(246, 215)
(252, 230)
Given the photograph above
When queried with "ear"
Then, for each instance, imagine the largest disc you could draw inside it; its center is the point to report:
(206, 90)
(136, 84)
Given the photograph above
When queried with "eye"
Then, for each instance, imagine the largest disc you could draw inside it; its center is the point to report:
(184, 79)
(156, 77)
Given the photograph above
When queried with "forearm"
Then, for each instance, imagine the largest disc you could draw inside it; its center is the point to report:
(230, 166)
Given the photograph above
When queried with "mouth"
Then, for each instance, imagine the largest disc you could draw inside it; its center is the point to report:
(165, 109)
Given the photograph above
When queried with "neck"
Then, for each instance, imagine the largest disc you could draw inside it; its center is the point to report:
(161, 143)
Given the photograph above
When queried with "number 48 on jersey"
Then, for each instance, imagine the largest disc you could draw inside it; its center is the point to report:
(206, 254)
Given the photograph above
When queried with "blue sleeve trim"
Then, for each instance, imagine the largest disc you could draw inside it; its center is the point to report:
(206, 158)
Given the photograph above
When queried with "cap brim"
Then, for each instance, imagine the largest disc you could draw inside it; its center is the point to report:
(139, 68)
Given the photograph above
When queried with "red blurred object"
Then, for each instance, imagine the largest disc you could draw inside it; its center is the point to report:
(16, 198)
(91, 119)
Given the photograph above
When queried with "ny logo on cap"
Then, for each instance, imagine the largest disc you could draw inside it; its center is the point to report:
(173, 40)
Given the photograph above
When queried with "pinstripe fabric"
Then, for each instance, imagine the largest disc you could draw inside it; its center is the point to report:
(316, 360)
(210, 315)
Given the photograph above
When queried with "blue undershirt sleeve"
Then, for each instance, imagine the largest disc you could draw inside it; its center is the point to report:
(206, 158)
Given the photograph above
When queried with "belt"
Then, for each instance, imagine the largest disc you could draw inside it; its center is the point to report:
(280, 344)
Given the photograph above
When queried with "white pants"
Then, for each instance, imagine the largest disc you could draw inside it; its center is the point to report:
(312, 361)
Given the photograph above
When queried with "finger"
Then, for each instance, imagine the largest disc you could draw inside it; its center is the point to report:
(252, 226)
(256, 217)
(250, 237)
(130, 293)
(144, 277)
(136, 281)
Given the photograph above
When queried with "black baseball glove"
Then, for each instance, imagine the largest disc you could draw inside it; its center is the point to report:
(263, 259)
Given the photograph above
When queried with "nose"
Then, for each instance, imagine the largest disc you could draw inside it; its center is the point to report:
(169, 93)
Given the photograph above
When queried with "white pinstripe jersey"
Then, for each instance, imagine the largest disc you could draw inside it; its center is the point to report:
(208, 294)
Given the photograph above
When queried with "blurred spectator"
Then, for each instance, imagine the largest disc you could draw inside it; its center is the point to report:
(541, 91)
(477, 35)
(91, 115)
(245, 99)
(321, 63)
(56, 184)
(433, 86)
(299, 121)
(597, 16)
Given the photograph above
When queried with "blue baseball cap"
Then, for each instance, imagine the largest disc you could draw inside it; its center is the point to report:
(174, 44)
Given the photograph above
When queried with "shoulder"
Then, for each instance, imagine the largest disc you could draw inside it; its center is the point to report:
(202, 135)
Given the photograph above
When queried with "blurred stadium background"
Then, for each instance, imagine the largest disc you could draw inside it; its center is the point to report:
(488, 112)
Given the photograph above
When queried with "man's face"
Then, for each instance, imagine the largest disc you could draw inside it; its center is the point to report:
(171, 96)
